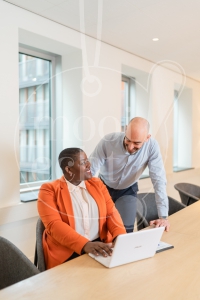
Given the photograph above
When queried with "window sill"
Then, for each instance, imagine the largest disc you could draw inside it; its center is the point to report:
(29, 196)
(181, 169)
(144, 176)
(31, 186)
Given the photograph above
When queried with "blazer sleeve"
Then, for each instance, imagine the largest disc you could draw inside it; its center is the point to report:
(50, 215)
(114, 222)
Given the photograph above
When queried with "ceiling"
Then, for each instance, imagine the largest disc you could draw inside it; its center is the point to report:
(132, 24)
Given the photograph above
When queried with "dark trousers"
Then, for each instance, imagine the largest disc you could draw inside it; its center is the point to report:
(126, 202)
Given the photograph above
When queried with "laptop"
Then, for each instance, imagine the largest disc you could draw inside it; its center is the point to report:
(132, 247)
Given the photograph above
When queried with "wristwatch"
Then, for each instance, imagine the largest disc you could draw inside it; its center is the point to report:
(163, 217)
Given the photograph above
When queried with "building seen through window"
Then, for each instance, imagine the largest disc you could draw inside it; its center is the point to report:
(34, 118)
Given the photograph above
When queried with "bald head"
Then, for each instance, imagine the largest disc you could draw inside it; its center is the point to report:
(137, 133)
(139, 124)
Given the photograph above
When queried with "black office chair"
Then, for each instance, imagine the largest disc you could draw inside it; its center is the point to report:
(127, 207)
(188, 192)
(147, 209)
(14, 265)
(39, 254)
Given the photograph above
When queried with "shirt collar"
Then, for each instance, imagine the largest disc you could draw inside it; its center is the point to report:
(73, 187)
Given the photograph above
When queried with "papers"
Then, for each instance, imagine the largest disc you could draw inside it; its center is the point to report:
(162, 246)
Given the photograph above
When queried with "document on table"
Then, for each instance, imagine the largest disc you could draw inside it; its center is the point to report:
(162, 246)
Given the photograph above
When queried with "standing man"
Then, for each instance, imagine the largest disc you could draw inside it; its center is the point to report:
(121, 158)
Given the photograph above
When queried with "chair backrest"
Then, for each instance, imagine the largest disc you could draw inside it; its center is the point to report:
(189, 193)
(127, 206)
(39, 254)
(14, 265)
(147, 209)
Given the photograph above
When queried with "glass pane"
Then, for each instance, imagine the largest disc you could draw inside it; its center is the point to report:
(175, 143)
(124, 102)
(182, 142)
(34, 118)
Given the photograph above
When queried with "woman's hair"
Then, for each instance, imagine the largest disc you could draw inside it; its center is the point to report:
(67, 157)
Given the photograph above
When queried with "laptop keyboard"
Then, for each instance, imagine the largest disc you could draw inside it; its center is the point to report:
(104, 260)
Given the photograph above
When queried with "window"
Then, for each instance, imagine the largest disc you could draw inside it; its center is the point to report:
(34, 118)
(127, 101)
(182, 142)
(135, 98)
(175, 143)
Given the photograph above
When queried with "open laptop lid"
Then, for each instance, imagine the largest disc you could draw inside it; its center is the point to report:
(133, 247)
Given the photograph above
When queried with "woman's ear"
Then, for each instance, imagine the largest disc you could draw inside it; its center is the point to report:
(67, 170)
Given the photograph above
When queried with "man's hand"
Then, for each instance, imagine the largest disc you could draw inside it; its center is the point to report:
(97, 248)
(161, 222)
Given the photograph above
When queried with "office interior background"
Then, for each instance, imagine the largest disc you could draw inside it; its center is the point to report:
(73, 71)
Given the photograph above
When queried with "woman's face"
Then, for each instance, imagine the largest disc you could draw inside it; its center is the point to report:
(80, 168)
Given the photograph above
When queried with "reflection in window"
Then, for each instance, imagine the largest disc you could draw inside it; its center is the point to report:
(34, 118)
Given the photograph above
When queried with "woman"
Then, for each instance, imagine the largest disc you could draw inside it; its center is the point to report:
(78, 214)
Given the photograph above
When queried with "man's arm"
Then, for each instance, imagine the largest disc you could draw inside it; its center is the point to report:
(98, 157)
(158, 178)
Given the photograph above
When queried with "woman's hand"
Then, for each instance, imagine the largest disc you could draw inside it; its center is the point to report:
(113, 242)
(97, 248)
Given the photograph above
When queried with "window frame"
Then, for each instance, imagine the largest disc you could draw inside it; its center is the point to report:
(131, 102)
(128, 100)
(30, 186)
(178, 110)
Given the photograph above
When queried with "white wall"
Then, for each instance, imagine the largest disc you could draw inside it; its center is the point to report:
(101, 110)
(72, 100)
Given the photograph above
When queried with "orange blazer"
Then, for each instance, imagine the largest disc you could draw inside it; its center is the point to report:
(55, 208)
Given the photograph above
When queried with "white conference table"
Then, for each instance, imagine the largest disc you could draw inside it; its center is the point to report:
(172, 274)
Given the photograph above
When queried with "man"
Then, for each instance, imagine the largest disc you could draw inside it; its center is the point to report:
(122, 158)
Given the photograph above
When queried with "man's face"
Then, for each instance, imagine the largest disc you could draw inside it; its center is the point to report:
(134, 139)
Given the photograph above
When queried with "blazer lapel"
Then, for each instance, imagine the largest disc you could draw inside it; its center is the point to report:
(67, 202)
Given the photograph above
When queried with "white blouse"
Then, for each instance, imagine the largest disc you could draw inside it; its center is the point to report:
(86, 211)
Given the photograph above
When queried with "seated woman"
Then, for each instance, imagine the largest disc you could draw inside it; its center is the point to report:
(78, 214)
